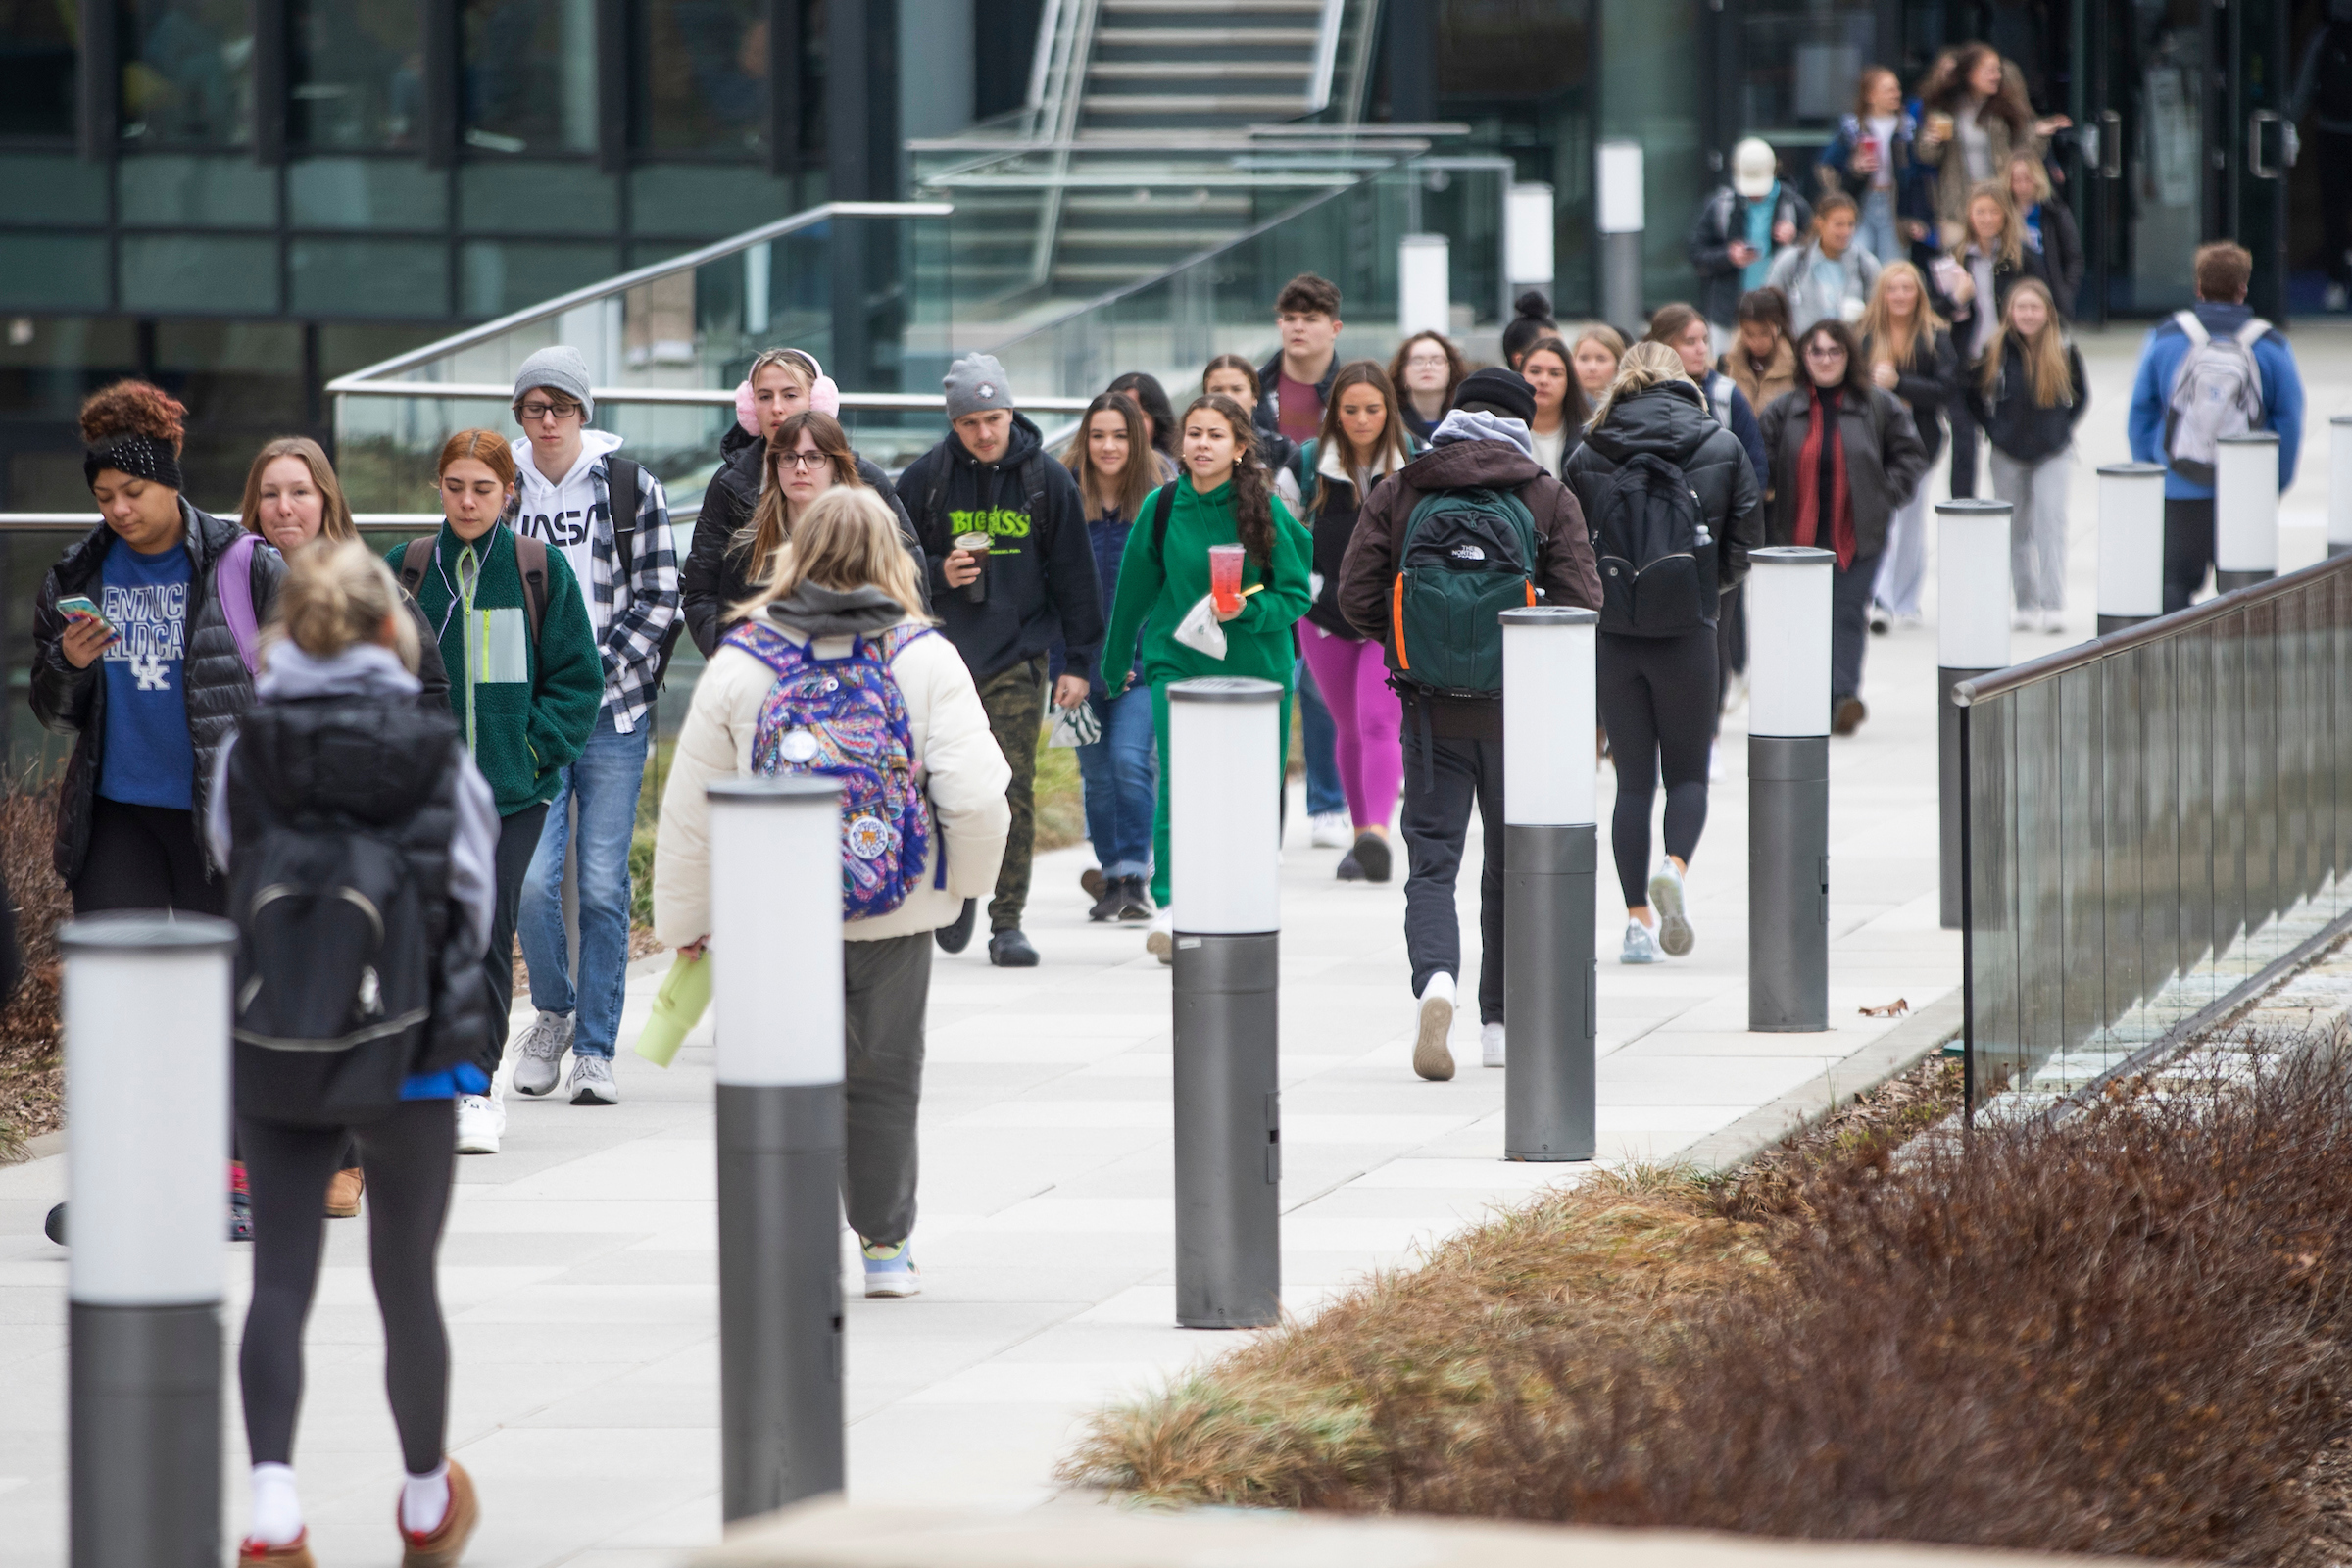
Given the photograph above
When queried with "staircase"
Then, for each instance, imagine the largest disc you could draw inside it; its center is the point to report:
(1207, 64)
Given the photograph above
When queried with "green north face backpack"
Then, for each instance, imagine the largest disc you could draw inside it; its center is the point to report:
(1468, 555)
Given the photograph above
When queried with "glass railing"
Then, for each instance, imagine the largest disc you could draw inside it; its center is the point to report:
(2154, 820)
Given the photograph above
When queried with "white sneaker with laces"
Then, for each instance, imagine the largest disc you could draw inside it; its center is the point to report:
(1430, 1057)
(539, 1054)
(1666, 895)
(481, 1123)
(592, 1081)
(1490, 1044)
(1332, 830)
(1641, 946)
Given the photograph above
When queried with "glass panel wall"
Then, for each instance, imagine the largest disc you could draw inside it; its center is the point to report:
(40, 64)
(357, 74)
(188, 72)
(1799, 64)
(530, 76)
(1652, 94)
(702, 77)
(1520, 72)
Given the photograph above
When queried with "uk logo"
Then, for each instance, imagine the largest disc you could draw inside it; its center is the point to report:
(151, 672)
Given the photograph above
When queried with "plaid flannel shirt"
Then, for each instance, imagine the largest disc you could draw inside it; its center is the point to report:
(631, 617)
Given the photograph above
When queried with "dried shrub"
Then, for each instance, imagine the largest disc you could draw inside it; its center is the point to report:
(31, 1071)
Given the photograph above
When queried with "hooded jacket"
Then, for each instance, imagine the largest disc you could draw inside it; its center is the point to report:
(1883, 461)
(1564, 570)
(1761, 387)
(1041, 567)
(2018, 428)
(2160, 359)
(1722, 221)
(1794, 274)
(1161, 579)
(961, 769)
(1672, 422)
(715, 577)
(72, 702)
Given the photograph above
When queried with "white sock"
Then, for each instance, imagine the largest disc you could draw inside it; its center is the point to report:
(1439, 984)
(424, 1501)
(277, 1510)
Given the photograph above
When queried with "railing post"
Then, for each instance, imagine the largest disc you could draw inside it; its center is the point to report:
(1225, 835)
(1972, 639)
(146, 1172)
(1549, 858)
(2246, 509)
(2339, 484)
(2131, 543)
(1788, 788)
(775, 923)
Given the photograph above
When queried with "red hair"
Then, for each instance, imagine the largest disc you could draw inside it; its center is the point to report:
(486, 447)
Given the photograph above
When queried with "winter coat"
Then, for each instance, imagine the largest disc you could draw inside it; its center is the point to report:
(1929, 381)
(1331, 507)
(2160, 359)
(72, 702)
(2031, 263)
(1722, 221)
(2018, 428)
(1913, 197)
(1672, 421)
(1792, 274)
(1162, 581)
(961, 769)
(2062, 253)
(1267, 415)
(716, 577)
(1883, 461)
(1945, 166)
(1765, 387)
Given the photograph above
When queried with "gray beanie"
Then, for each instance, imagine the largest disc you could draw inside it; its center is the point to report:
(975, 382)
(559, 369)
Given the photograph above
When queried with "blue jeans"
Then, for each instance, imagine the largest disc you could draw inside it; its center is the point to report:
(605, 778)
(1319, 738)
(1121, 774)
(1875, 231)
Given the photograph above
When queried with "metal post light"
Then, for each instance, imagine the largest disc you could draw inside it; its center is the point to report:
(775, 925)
(1972, 639)
(2131, 545)
(1224, 836)
(2246, 509)
(2339, 484)
(1789, 788)
(1549, 857)
(145, 1171)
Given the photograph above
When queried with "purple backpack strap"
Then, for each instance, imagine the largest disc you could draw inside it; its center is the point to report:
(233, 578)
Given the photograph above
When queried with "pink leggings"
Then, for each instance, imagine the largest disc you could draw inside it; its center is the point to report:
(1354, 679)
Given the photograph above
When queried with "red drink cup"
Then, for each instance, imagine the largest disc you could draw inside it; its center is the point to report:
(1225, 576)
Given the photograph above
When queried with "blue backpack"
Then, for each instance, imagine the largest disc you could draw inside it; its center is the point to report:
(845, 719)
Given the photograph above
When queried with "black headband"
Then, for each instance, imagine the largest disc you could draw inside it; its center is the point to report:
(142, 457)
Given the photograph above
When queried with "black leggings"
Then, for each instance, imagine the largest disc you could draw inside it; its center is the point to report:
(409, 1158)
(1657, 702)
(145, 857)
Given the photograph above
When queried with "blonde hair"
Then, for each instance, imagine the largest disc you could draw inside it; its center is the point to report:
(2049, 376)
(334, 512)
(2013, 228)
(1601, 332)
(1880, 331)
(2042, 175)
(1646, 364)
(847, 539)
(338, 594)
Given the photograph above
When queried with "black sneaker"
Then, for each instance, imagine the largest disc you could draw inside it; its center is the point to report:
(1371, 855)
(1135, 900)
(54, 1227)
(1010, 949)
(956, 935)
(1351, 870)
(1093, 881)
(1110, 896)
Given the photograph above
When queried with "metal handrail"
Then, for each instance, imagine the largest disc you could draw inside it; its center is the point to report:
(707, 396)
(2033, 671)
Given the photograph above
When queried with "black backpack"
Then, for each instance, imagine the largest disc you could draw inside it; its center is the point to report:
(1656, 555)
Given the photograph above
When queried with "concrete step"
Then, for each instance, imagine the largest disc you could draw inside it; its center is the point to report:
(1141, 103)
(1197, 70)
(1192, 38)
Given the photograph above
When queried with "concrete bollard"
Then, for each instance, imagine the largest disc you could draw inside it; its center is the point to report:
(1972, 639)
(2131, 543)
(2246, 509)
(1788, 788)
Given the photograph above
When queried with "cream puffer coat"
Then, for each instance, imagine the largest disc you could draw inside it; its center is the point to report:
(962, 769)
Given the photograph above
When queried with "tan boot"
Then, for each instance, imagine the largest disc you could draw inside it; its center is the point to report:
(343, 1190)
(295, 1553)
(441, 1548)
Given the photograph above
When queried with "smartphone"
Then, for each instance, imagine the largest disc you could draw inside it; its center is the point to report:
(80, 606)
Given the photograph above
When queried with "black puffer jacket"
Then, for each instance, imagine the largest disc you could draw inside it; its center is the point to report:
(2018, 428)
(72, 702)
(713, 577)
(1673, 421)
(1927, 382)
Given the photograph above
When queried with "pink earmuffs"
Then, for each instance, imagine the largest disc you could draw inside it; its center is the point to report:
(824, 396)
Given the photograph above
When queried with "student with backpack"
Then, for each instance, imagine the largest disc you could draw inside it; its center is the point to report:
(2029, 395)
(1671, 499)
(2214, 370)
(529, 682)
(359, 839)
(1469, 528)
(838, 673)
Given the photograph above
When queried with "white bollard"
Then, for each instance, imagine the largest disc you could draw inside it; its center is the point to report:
(2131, 543)
(1789, 597)
(2246, 509)
(1620, 216)
(1972, 639)
(1424, 285)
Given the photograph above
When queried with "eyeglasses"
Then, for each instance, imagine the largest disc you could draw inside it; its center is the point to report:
(540, 409)
(802, 460)
(1427, 361)
(1824, 351)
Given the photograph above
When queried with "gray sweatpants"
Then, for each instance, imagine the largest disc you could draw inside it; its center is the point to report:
(2036, 493)
(886, 988)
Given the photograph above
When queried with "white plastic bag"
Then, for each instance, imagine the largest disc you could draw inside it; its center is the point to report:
(1074, 725)
(1200, 629)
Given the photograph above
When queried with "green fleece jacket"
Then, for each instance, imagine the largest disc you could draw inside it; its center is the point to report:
(1157, 588)
(525, 711)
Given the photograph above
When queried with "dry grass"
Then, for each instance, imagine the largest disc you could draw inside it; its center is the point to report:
(32, 1069)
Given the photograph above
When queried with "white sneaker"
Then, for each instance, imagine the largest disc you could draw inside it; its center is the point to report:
(2053, 621)
(2023, 620)
(1490, 1044)
(1430, 1057)
(539, 1054)
(1332, 830)
(1714, 763)
(1666, 897)
(592, 1081)
(1639, 946)
(1159, 936)
(481, 1123)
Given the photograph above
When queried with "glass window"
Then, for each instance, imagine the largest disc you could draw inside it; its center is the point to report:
(517, 198)
(39, 65)
(182, 190)
(1800, 63)
(345, 349)
(369, 277)
(705, 199)
(52, 271)
(365, 193)
(51, 189)
(49, 362)
(172, 272)
(530, 76)
(356, 67)
(703, 75)
(1650, 94)
(498, 277)
(243, 385)
(188, 72)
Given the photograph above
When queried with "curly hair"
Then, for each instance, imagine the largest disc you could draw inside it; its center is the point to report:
(133, 408)
(1253, 482)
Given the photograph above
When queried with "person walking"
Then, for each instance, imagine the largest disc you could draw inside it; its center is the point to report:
(526, 696)
(340, 685)
(808, 454)
(1844, 456)
(1738, 229)
(1870, 160)
(2049, 228)
(1594, 352)
(1910, 354)
(1531, 321)
(1363, 441)
(1974, 115)
(719, 570)
(1762, 364)
(1428, 366)
(1975, 281)
(2212, 370)
(845, 597)
(1828, 277)
(1441, 501)
(1561, 409)
(1117, 469)
(1232, 375)
(1296, 379)
(1659, 476)
(1012, 572)
(1681, 328)
(2028, 394)
(1159, 415)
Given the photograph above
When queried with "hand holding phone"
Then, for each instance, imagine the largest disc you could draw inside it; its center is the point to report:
(86, 631)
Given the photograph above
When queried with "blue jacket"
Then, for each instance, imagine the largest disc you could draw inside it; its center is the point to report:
(2153, 391)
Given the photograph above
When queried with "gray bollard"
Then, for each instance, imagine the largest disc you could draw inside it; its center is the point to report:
(775, 919)
(1224, 837)
(2246, 509)
(2339, 484)
(1788, 788)
(1972, 639)
(2131, 545)
(1550, 1012)
(147, 1173)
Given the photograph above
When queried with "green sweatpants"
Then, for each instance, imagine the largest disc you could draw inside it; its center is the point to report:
(1159, 813)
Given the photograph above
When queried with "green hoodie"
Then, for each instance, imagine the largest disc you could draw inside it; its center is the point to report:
(1155, 593)
(526, 712)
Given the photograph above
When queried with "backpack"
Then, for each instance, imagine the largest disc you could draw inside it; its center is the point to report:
(2216, 392)
(531, 559)
(1466, 555)
(1656, 555)
(845, 719)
